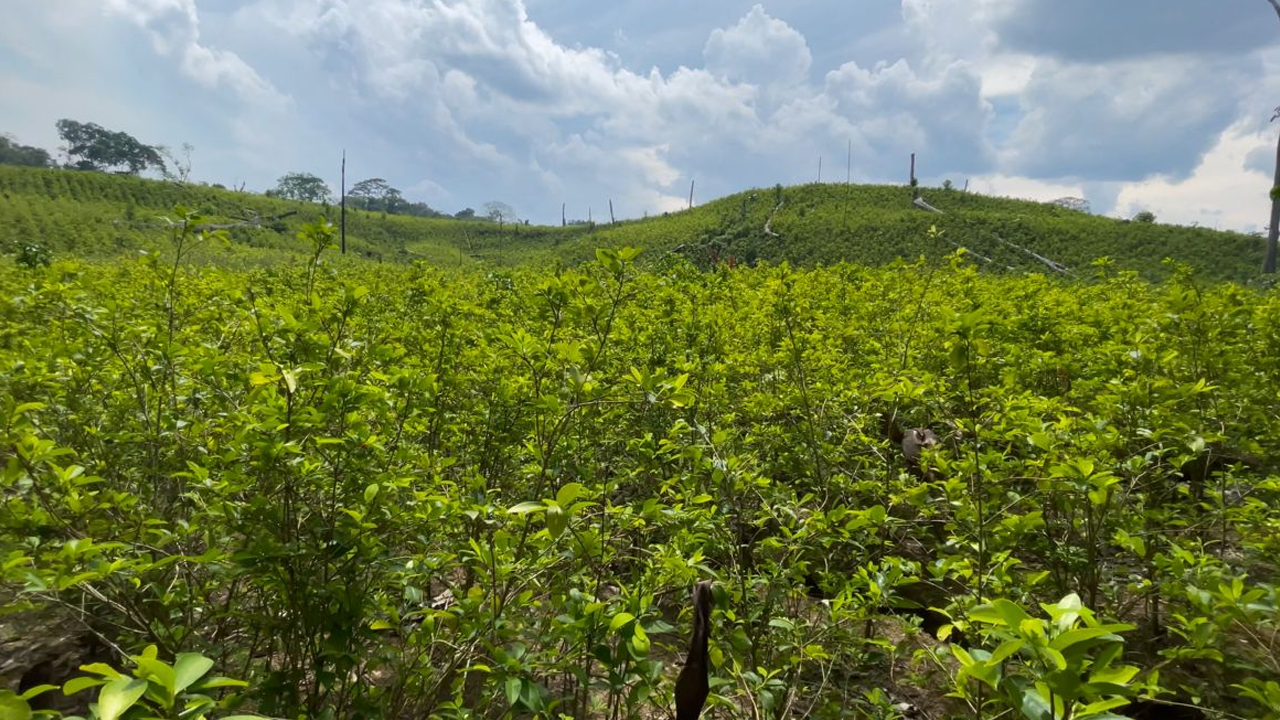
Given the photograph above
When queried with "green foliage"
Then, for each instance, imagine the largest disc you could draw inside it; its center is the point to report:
(157, 690)
(98, 215)
(90, 146)
(1065, 666)
(388, 490)
(1146, 216)
(304, 187)
(14, 153)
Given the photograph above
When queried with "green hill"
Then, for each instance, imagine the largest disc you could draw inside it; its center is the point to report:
(95, 214)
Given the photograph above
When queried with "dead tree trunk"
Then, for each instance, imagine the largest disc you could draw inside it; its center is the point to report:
(915, 193)
(611, 220)
(691, 194)
(1273, 232)
(344, 201)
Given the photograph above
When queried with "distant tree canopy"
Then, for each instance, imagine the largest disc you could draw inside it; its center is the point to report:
(1146, 216)
(465, 214)
(90, 146)
(301, 186)
(1073, 203)
(13, 153)
(500, 212)
(377, 195)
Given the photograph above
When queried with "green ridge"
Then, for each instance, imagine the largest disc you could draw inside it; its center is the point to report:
(99, 215)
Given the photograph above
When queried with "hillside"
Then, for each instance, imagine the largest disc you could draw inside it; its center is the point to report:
(94, 214)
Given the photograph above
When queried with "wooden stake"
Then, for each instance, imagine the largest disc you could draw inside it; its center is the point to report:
(562, 220)
(691, 194)
(819, 168)
(611, 220)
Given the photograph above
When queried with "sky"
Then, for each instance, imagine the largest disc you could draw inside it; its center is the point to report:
(1160, 105)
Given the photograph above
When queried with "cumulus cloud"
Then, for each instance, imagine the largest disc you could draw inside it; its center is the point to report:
(759, 50)
(174, 29)
(1104, 30)
(1216, 193)
(472, 99)
(942, 116)
(1124, 120)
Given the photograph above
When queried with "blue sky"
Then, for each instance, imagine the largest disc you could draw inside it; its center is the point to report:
(1142, 104)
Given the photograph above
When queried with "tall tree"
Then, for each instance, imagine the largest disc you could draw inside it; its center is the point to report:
(376, 194)
(1273, 231)
(90, 146)
(301, 186)
(14, 153)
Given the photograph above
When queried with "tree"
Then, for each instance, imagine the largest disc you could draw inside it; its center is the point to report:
(465, 214)
(500, 212)
(1146, 216)
(181, 165)
(301, 186)
(13, 153)
(375, 194)
(1072, 203)
(90, 146)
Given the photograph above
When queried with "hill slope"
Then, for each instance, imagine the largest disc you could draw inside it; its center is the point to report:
(93, 214)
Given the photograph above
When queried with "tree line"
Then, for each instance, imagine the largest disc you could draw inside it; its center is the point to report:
(91, 147)
(377, 195)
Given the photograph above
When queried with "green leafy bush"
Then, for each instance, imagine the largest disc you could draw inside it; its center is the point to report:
(387, 490)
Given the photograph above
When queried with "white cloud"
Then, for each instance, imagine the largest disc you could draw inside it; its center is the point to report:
(759, 50)
(174, 29)
(1218, 193)
(477, 97)
(1024, 188)
(1123, 120)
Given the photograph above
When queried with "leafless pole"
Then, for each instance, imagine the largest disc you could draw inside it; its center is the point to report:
(691, 194)
(819, 168)
(914, 192)
(562, 220)
(1273, 232)
(344, 201)
(611, 220)
(848, 171)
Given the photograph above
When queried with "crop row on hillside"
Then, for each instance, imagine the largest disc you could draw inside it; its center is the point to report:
(399, 492)
(94, 214)
(824, 224)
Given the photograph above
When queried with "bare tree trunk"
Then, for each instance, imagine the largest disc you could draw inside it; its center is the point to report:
(1273, 232)
(691, 194)
(611, 220)
(915, 184)
(343, 190)
(562, 220)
